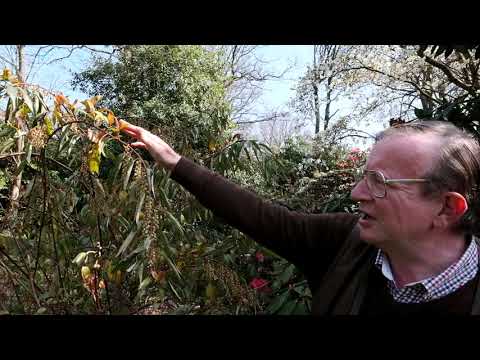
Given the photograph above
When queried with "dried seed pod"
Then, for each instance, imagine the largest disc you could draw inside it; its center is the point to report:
(37, 137)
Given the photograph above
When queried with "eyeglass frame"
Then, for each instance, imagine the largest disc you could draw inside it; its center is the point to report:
(386, 181)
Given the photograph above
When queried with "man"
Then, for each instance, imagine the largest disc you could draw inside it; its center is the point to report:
(410, 251)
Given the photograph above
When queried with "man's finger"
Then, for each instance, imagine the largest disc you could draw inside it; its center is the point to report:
(139, 144)
(131, 133)
(126, 126)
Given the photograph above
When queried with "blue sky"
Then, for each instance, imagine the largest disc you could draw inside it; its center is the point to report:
(275, 95)
(276, 92)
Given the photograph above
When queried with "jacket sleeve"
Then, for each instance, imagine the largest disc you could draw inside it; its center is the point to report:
(302, 239)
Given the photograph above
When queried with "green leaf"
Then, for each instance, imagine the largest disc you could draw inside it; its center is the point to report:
(173, 266)
(27, 100)
(421, 114)
(150, 179)
(176, 224)
(40, 98)
(288, 308)
(21, 167)
(163, 197)
(127, 174)
(127, 241)
(174, 291)
(300, 309)
(41, 311)
(29, 153)
(48, 125)
(3, 180)
(139, 208)
(277, 303)
(144, 283)
(287, 274)
(80, 258)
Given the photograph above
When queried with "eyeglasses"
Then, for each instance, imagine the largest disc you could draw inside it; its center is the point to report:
(377, 183)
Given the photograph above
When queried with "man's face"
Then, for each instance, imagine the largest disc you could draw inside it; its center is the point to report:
(404, 215)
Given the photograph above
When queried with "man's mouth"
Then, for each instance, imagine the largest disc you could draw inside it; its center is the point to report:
(365, 216)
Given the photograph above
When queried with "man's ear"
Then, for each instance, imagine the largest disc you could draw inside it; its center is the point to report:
(454, 205)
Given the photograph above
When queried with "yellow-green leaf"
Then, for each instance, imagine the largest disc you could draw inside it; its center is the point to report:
(111, 118)
(212, 146)
(100, 117)
(48, 125)
(89, 107)
(94, 159)
(211, 291)
(6, 74)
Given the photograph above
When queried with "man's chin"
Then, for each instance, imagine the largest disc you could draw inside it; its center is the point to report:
(368, 236)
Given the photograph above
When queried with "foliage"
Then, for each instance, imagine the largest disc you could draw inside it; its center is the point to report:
(99, 228)
(179, 89)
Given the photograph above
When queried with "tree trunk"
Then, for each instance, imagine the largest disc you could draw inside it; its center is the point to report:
(316, 108)
(315, 91)
(17, 180)
(327, 107)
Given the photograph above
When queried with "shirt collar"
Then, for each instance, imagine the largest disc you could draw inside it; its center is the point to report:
(466, 264)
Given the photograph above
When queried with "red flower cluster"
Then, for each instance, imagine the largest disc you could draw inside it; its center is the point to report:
(354, 157)
(260, 285)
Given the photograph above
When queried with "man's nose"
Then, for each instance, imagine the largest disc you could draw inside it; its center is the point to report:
(360, 192)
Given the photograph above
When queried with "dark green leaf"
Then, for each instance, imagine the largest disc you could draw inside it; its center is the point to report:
(277, 303)
(288, 308)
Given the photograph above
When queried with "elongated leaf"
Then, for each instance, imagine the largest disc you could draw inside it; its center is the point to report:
(118, 165)
(12, 92)
(27, 100)
(176, 224)
(287, 274)
(173, 266)
(163, 198)
(37, 106)
(93, 159)
(174, 291)
(144, 283)
(139, 208)
(40, 98)
(127, 241)
(288, 308)
(127, 175)
(29, 152)
(150, 178)
(48, 125)
(277, 303)
(21, 167)
(80, 258)
(7, 145)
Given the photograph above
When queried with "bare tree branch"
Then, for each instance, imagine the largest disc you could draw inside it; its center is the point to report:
(447, 71)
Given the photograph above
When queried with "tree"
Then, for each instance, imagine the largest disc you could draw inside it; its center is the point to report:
(179, 89)
(318, 85)
(246, 73)
(99, 227)
(463, 111)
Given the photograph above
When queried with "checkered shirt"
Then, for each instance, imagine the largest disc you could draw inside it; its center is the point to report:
(450, 280)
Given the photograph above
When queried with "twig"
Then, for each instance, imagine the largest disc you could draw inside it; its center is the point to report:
(447, 71)
(44, 210)
(17, 266)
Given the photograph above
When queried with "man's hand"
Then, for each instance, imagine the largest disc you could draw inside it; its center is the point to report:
(163, 154)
